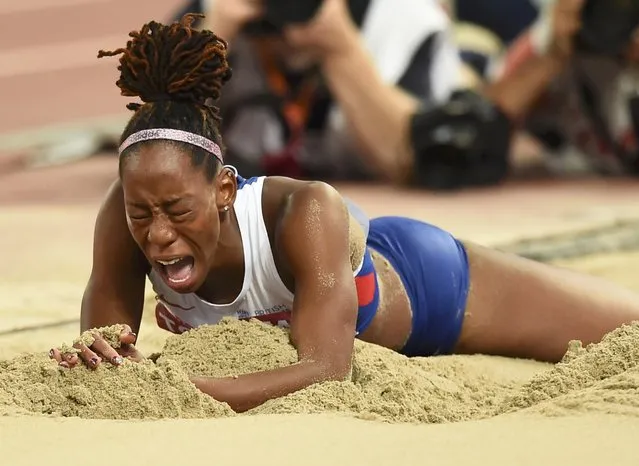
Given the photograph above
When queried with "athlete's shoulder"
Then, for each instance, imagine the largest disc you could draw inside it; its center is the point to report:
(281, 195)
(280, 191)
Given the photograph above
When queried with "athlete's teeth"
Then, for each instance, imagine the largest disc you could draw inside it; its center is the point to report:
(178, 281)
(171, 261)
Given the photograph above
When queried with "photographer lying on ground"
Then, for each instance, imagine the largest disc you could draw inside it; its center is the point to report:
(572, 79)
(324, 89)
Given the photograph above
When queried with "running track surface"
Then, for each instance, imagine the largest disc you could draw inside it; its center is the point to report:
(49, 72)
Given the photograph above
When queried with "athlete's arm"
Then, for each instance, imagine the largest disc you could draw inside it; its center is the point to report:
(313, 242)
(115, 290)
(377, 113)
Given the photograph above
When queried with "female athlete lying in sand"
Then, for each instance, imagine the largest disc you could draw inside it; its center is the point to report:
(286, 251)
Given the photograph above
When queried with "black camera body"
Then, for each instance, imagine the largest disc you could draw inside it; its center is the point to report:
(607, 26)
(280, 13)
(283, 12)
(464, 142)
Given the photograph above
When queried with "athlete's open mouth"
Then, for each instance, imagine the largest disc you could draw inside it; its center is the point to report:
(178, 269)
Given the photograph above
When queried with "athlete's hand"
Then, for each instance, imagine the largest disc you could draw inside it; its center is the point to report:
(100, 350)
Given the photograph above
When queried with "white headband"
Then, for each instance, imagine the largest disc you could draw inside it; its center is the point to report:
(173, 135)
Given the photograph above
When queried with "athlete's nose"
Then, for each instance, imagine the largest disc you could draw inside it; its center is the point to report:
(161, 233)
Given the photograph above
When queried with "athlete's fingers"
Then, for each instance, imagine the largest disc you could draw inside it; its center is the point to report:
(126, 350)
(64, 359)
(130, 352)
(106, 351)
(127, 336)
(89, 357)
(56, 355)
(71, 359)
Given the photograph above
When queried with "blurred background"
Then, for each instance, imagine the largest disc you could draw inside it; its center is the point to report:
(508, 122)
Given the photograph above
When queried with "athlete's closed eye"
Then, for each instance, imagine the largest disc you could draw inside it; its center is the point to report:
(139, 216)
(181, 215)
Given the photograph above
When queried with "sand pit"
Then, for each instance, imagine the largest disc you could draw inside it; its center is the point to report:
(446, 410)
(470, 409)
(384, 385)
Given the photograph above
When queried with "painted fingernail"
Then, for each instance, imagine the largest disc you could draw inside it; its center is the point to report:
(117, 360)
(51, 353)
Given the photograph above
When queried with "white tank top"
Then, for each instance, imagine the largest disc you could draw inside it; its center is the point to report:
(264, 296)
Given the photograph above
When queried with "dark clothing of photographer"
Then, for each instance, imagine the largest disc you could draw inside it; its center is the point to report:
(572, 81)
(504, 18)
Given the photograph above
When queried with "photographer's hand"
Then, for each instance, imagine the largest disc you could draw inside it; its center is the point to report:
(554, 32)
(331, 32)
(632, 51)
(536, 58)
(227, 17)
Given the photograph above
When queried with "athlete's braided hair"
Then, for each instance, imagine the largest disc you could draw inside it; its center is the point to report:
(178, 73)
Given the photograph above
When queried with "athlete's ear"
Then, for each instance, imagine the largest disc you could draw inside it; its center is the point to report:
(226, 189)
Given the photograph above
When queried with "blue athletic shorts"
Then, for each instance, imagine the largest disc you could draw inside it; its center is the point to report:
(433, 267)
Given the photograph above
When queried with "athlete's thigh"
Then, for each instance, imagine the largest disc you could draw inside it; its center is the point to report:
(522, 308)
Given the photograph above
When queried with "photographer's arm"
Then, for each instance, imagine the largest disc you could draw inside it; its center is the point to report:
(524, 78)
(227, 17)
(537, 58)
(378, 113)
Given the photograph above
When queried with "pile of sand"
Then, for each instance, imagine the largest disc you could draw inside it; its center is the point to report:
(384, 385)
(135, 390)
(599, 378)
